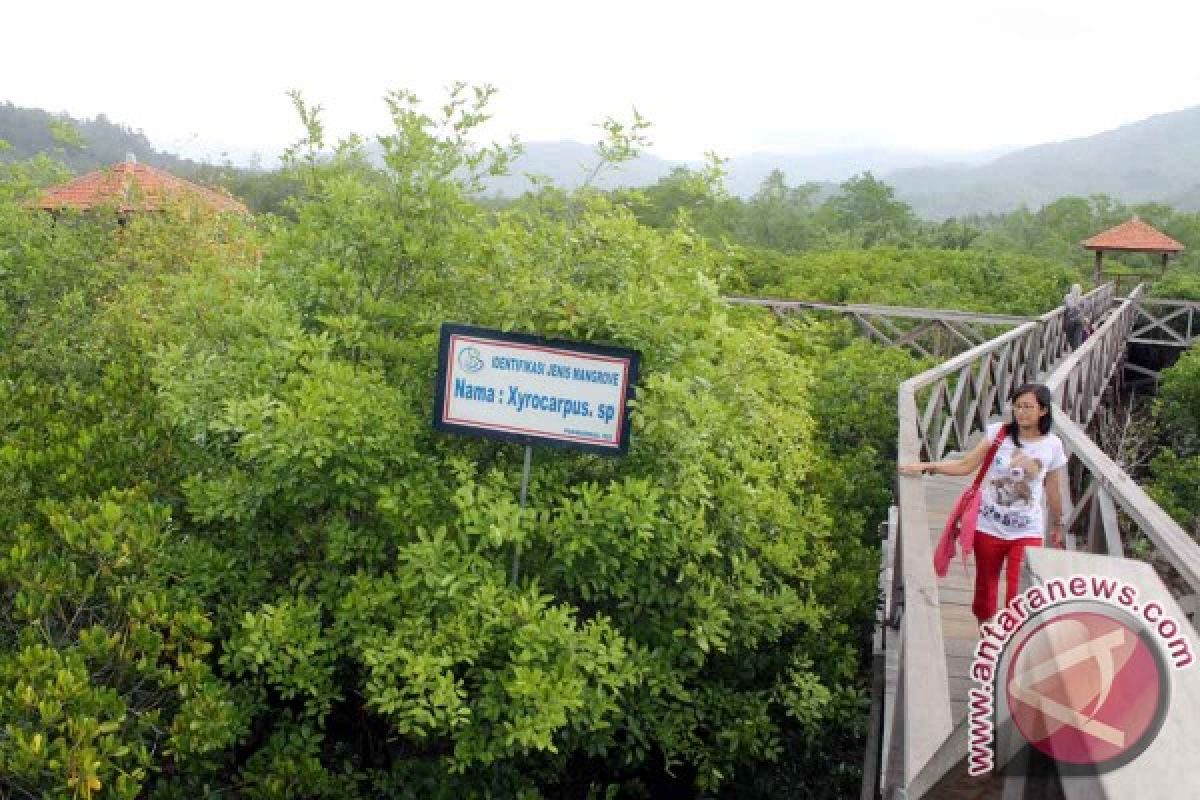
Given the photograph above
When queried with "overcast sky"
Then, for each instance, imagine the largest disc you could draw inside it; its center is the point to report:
(735, 77)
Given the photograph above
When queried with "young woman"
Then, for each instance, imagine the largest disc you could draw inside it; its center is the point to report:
(1028, 465)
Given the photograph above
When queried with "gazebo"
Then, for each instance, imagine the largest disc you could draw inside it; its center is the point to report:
(131, 187)
(1133, 236)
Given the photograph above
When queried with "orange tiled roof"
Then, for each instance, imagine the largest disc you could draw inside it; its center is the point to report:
(133, 187)
(1133, 235)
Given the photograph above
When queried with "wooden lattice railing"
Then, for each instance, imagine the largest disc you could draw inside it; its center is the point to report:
(926, 332)
(1103, 493)
(958, 397)
(1081, 378)
(1171, 323)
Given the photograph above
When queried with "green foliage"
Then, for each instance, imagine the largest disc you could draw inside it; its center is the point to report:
(694, 198)
(104, 663)
(780, 217)
(238, 561)
(1176, 467)
(996, 282)
(1179, 283)
(866, 212)
(1177, 406)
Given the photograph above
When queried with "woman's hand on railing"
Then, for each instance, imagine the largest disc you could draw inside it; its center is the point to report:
(1056, 535)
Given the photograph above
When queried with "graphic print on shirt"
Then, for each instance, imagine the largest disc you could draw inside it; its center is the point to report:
(1008, 493)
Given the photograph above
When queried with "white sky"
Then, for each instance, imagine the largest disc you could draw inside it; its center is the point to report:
(735, 77)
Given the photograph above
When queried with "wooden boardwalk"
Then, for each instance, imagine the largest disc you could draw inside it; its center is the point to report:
(959, 629)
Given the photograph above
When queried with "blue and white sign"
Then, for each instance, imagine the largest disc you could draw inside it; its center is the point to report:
(528, 388)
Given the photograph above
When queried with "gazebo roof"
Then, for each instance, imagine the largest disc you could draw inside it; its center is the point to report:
(129, 186)
(1133, 236)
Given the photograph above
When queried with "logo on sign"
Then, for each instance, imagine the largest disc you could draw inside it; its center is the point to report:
(470, 360)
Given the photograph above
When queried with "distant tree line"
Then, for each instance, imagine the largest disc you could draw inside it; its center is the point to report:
(861, 213)
(864, 213)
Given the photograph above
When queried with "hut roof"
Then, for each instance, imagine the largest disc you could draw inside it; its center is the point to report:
(1133, 236)
(129, 186)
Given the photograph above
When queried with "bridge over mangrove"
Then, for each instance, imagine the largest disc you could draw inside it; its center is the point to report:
(926, 637)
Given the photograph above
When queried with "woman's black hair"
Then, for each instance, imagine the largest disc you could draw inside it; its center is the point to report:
(1044, 399)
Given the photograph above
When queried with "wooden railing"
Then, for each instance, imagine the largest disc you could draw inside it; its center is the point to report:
(1171, 323)
(1080, 379)
(1103, 491)
(960, 396)
(939, 410)
(927, 332)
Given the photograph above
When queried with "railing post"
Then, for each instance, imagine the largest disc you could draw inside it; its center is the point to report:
(1108, 523)
(1095, 540)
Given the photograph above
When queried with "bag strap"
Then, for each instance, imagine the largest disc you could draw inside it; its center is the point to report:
(991, 455)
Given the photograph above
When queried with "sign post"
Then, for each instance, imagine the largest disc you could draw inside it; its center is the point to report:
(529, 389)
(521, 510)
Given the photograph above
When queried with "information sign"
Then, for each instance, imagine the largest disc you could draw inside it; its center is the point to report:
(532, 389)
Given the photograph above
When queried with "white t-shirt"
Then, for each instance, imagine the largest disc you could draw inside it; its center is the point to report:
(1011, 504)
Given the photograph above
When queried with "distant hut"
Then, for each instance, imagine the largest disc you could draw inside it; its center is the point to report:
(130, 187)
(1133, 236)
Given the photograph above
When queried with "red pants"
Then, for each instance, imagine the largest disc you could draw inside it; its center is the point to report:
(990, 554)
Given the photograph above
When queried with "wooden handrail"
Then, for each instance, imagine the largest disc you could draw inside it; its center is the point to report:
(1036, 350)
(1079, 380)
(1169, 539)
(910, 312)
(1167, 322)
(1077, 385)
(925, 685)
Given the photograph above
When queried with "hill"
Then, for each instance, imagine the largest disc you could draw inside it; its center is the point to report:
(567, 164)
(30, 131)
(1154, 160)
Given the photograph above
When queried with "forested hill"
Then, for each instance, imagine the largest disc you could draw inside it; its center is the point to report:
(1154, 160)
(98, 142)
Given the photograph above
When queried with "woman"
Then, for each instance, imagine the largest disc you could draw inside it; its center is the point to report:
(1028, 464)
(1073, 315)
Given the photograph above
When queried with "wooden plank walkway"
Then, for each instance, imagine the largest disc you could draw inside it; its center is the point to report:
(959, 629)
